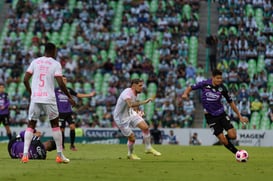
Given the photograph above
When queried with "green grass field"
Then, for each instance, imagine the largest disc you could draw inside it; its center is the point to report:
(108, 162)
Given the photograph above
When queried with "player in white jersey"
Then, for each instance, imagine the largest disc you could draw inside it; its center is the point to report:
(44, 71)
(127, 116)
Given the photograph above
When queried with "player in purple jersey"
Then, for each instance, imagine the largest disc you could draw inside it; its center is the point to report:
(37, 149)
(65, 111)
(4, 109)
(212, 92)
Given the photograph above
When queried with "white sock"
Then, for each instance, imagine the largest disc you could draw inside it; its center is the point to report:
(147, 139)
(130, 145)
(27, 139)
(57, 136)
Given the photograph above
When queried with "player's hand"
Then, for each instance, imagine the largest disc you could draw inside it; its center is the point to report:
(141, 113)
(150, 99)
(92, 94)
(184, 96)
(244, 119)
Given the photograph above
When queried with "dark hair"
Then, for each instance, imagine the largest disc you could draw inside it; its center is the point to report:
(52, 145)
(2, 84)
(136, 81)
(50, 48)
(216, 72)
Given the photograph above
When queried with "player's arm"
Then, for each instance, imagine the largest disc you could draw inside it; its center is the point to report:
(26, 81)
(91, 94)
(186, 93)
(233, 106)
(134, 104)
(64, 89)
(235, 109)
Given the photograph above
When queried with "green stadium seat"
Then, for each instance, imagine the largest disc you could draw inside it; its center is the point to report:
(252, 67)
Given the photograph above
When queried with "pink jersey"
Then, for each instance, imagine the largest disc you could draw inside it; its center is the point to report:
(44, 70)
(122, 111)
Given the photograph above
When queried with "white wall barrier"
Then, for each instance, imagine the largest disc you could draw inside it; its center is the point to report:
(109, 135)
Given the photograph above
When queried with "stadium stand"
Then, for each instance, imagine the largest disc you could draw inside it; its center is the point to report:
(102, 44)
(245, 36)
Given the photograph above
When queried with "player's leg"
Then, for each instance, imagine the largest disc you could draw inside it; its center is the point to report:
(6, 123)
(62, 126)
(53, 116)
(72, 134)
(130, 144)
(227, 143)
(34, 113)
(8, 131)
(231, 134)
(72, 127)
(27, 139)
(125, 129)
(147, 138)
(57, 136)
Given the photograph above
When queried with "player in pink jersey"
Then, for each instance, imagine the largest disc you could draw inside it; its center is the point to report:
(43, 71)
(127, 116)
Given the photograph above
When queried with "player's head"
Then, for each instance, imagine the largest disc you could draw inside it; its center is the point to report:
(64, 79)
(137, 85)
(50, 50)
(50, 145)
(217, 78)
(2, 87)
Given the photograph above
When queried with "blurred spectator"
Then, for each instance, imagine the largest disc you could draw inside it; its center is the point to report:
(211, 43)
(172, 138)
(156, 135)
(256, 105)
(194, 140)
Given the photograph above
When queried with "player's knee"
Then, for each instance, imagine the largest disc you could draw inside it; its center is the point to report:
(232, 136)
(145, 131)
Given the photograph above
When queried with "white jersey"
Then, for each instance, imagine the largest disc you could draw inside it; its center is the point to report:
(122, 111)
(44, 70)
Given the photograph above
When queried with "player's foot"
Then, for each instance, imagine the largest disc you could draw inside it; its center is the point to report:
(24, 159)
(152, 151)
(133, 157)
(62, 159)
(73, 148)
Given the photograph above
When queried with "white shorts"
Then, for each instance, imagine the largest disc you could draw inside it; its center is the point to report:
(51, 110)
(125, 125)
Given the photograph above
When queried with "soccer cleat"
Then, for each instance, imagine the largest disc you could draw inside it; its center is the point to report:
(62, 159)
(24, 159)
(133, 157)
(73, 148)
(152, 151)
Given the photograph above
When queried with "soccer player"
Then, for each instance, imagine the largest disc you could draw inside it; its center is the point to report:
(65, 111)
(212, 92)
(127, 116)
(4, 109)
(37, 149)
(43, 71)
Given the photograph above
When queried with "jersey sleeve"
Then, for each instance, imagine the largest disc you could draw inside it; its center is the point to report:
(58, 71)
(226, 94)
(72, 92)
(198, 85)
(30, 68)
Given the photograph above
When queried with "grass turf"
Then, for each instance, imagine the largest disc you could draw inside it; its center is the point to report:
(108, 162)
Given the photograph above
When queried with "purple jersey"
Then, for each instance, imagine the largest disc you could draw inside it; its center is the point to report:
(36, 149)
(212, 96)
(4, 101)
(63, 104)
